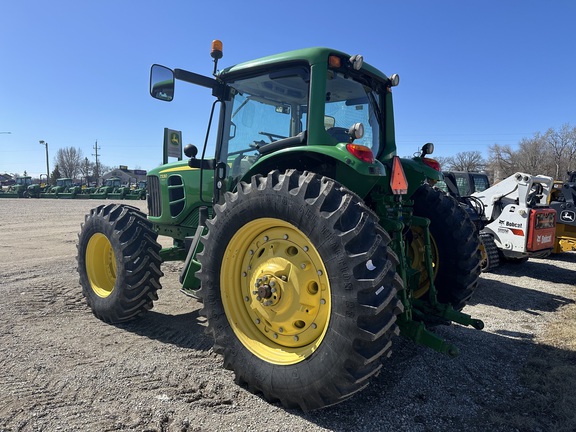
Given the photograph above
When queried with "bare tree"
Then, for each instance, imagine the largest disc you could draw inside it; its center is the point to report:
(502, 161)
(87, 170)
(69, 161)
(534, 157)
(467, 161)
(562, 144)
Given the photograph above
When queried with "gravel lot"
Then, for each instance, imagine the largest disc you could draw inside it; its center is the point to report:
(61, 369)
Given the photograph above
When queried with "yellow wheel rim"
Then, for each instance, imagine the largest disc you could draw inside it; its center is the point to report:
(101, 265)
(418, 255)
(275, 291)
(483, 256)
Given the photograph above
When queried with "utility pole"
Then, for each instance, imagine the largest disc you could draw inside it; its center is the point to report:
(97, 170)
(45, 144)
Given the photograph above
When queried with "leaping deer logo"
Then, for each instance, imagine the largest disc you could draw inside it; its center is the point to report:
(567, 216)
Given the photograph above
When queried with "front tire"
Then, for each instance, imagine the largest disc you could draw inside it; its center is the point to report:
(299, 289)
(118, 262)
(455, 246)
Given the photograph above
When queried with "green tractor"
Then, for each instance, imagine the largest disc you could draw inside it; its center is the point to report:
(64, 189)
(19, 189)
(309, 242)
(108, 189)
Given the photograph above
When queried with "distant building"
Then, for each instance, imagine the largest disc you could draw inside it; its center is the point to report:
(127, 177)
(6, 179)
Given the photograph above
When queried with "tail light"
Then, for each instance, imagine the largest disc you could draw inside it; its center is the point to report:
(432, 163)
(361, 152)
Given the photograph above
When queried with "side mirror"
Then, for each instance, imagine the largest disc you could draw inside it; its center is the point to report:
(161, 83)
(427, 149)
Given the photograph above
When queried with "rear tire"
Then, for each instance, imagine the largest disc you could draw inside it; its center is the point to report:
(488, 252)
(299, 289)
(118, 262)
(455, 243)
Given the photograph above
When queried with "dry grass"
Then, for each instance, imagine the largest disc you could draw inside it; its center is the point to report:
(550, 375)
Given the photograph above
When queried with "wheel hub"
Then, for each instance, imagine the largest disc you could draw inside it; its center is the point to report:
(267, 290)
(278, 290)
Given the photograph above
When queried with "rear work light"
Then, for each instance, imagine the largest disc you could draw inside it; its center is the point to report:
(398, 182)
(361, 152)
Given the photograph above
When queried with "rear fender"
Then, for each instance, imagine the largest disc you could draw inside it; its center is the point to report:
(329, 161)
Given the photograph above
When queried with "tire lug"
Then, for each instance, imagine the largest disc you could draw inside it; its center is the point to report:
(273, 290)
(284, 278)
(275, 335)
(246, 298)
(281, 330)
(258, 298)
(257, 321)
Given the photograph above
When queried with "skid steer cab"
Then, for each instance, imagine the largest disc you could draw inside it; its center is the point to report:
(309, 242)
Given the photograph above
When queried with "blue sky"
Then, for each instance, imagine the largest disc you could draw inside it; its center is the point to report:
(472, 73)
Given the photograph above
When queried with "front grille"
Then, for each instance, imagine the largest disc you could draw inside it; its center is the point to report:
(176, 195)
(154, 199)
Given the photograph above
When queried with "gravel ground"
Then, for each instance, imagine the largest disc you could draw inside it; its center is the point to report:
(61, 369)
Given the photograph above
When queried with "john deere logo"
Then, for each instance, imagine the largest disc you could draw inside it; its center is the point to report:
(174, 138)
(567, 216)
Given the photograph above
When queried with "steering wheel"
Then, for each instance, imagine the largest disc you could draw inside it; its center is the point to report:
(271, 136)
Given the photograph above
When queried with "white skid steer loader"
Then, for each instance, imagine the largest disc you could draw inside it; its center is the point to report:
(518, 222)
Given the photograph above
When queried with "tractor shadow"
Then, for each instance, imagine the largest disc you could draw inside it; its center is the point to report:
(498, 383)
(560, 270)
(516, 298)
(185, 330)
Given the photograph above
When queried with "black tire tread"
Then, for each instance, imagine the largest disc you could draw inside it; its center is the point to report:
(457, 241)
(348, 368)
(138, 272)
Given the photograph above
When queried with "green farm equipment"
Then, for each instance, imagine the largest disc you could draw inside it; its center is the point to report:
(309, 242)
(19, 189)
(109, 189)
(63, 189)
(138, 191)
